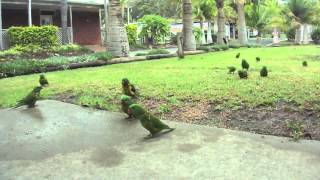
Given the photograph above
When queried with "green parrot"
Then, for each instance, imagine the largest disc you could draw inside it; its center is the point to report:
(148, 121)
(126, 101)
(43, 80)
(129, 89)
(31, 98)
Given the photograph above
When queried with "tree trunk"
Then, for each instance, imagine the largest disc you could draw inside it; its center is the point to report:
(209, 35)
(305, 34)
(118, 43)
(242, 30)
(180, 49)
(189, 43)
(221, 26)
(64, 21)
(203, 36)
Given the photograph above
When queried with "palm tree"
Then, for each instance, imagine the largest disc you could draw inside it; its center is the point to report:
(199, 15)
(189, 42)
(221, 21)
(209, 12)
(242, 30)
(260, 14)
(64, 21)
(301, 12)
(117, 38)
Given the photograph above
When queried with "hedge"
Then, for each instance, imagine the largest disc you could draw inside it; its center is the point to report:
(43, 36)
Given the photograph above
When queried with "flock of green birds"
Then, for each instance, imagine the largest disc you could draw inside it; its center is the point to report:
(243, 74)
(128, 105)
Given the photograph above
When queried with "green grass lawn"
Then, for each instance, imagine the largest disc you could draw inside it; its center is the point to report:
(200, 77)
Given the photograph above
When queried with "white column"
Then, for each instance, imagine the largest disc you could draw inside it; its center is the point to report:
(71, 24)
(29, 13)
(1, 41)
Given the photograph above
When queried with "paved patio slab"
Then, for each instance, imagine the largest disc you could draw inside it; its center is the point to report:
(57, 140)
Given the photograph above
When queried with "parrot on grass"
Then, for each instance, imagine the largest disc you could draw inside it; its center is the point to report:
(43, 80)
(128, 88)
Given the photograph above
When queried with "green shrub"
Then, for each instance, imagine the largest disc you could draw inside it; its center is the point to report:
(11, 53)
(253, 45)
(220, 47)
(44, 36)
(29, 66)
(28, 49)
(141, 54)
(105, 56)
(204, 48)
(234, 46)
(316, 35)
(291, 34)
(68, 48)
(158, 51)
(132, 33)
(153, 52)
(155, 27)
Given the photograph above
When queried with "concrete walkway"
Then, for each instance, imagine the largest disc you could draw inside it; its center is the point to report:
(56, 140)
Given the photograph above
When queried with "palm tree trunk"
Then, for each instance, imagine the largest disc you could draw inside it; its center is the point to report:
(221, 26)
(209, 35)
(189, 43)
(242, 30)
(118, 43)
(64, 21)
(203, 37)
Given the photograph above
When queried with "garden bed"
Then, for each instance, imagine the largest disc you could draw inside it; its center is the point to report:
(30, 66)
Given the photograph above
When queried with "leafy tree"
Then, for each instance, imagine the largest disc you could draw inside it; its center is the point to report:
(261, 14)
(154, 28)
(300, 13)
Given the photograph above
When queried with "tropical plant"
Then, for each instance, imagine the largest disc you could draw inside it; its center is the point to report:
(260, 14)
(300, 13)
(155, 28)
(132, 33)
(316, 35)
